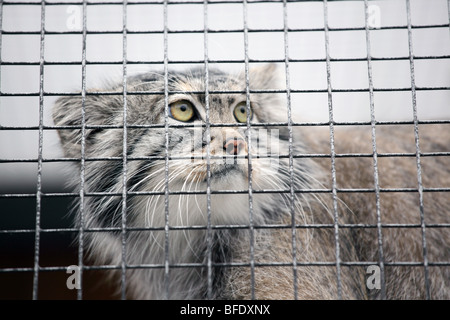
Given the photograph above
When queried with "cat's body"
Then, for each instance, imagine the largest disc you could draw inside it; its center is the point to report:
(162, 199)
(400, 214)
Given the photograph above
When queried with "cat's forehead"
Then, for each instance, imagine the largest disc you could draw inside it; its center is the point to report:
(195, 81)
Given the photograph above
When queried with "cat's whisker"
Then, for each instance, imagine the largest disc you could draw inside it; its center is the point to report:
(146, 168)
(154, 199)
(172, 175)
(192, 250)
(196, 200)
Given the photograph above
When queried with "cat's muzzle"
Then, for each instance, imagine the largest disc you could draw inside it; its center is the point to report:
(234, 146)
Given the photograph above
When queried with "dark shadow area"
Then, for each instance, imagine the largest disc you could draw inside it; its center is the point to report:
(57, 250)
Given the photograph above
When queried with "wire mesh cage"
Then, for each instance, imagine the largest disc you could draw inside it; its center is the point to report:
(371, 65)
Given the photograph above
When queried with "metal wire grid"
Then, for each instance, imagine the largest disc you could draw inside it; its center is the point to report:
(373, 123)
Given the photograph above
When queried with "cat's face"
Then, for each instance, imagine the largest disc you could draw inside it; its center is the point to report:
(212, 136)
(180, 139)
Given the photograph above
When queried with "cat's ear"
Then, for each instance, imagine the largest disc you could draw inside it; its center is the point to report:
(267, 76)
(67, 112)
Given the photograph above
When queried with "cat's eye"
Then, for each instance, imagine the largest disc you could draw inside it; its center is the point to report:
(240, 112)
(182, 110)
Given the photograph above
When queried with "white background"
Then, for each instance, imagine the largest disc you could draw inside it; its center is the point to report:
(391, 105)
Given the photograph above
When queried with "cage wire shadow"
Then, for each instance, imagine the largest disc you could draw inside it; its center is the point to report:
(37, 231)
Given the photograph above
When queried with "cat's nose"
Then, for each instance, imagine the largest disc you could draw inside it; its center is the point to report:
(233, 146)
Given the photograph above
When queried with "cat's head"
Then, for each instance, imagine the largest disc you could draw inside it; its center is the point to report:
(169, 123)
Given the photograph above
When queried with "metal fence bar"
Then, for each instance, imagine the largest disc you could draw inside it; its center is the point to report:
(82, 156)
(231, 264)
(209, 293)
(375, 155)
(333, 153)
(262, 124)
(418, 162)
(130, 3)
(291, 152)
(166, 155)
(124, 155)
(199, 2)
(250, 185)
(36, 94)
(215, 61)
(185, 31)
(281, 156)
(39, 162)
(237, 191)
(234, 227)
